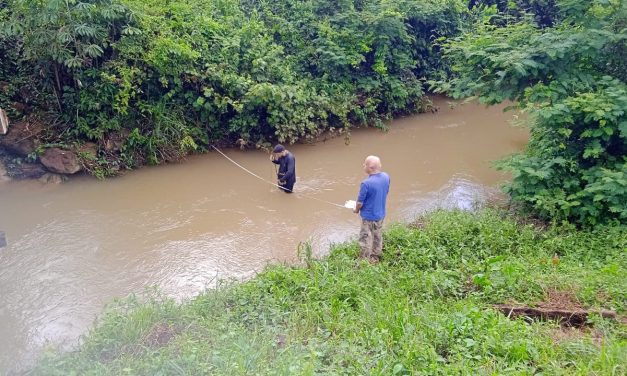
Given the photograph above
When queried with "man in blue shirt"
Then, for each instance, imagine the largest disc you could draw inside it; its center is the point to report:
(371, 206)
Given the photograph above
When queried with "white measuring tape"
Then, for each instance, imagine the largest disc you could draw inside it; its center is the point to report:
(350, 204)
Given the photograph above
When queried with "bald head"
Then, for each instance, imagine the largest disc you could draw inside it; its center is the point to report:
(372, 165)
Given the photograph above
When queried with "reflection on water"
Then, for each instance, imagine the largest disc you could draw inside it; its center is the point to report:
(74, 247)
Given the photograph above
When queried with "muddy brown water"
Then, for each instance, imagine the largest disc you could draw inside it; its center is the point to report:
(73, 247)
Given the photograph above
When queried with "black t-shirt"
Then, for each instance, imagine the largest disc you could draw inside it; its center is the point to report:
(287, 168)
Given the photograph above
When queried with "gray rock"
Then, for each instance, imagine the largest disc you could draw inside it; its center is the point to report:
(60, 161)
(24, 170)
(3, 171)
(50, 178)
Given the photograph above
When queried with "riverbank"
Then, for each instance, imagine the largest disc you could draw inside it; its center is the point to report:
(428, 307)
(75, 246)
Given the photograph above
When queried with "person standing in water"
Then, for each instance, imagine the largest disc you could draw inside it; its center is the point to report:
(286, 176)
(370, 205)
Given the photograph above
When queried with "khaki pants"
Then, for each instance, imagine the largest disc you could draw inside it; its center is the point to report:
(371, 238)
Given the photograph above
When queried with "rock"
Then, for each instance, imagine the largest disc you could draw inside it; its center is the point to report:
(21, 138)
(3, 171)
(60, 161)
(50, 178)
(4, 122)
(3, 239)
(25, 170)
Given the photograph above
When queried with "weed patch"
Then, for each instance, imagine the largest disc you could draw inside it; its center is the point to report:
(426, 308)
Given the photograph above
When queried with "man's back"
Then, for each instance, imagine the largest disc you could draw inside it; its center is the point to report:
(373, 194)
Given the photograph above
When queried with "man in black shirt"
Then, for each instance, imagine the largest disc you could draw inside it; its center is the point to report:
(286, 176)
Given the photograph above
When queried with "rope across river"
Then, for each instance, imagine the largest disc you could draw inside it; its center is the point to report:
(272, 183)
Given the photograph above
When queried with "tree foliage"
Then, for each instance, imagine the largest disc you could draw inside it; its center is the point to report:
(544, 12)
(171, 76)
(571, 80)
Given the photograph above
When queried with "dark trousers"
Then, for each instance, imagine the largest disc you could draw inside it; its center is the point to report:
(288, 186)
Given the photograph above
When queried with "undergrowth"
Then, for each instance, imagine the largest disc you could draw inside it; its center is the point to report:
(425, 309)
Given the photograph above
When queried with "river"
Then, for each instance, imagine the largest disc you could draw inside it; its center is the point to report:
(73, 247)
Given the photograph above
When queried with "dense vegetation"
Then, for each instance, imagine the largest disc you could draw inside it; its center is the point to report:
(543, 12)
(167, 77)
(571, 79)
(425, 309)
(150, 81)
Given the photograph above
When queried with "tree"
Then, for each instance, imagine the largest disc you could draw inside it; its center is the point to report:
(62, 37)
(569, 80)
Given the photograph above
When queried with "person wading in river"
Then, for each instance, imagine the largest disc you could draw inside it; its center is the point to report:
(286, 176)
(370, 205)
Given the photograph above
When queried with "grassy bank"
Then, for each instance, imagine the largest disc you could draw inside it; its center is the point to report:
(425, 309)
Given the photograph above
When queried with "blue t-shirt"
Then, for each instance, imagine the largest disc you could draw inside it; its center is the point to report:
(372, 194)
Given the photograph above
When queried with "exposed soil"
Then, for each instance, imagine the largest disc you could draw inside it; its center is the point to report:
(560, 299)
(160, 335)
(419, 223)
(560, 306)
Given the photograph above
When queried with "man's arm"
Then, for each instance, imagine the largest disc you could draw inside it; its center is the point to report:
(363, 193)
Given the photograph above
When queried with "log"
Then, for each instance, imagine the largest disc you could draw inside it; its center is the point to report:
(566, 317)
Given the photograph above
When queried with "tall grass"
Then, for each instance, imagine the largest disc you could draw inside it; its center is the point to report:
(425, 309)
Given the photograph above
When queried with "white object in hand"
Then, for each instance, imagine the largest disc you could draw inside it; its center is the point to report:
(350, 204)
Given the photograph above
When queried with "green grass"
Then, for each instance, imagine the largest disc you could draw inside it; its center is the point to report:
(425, 309)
